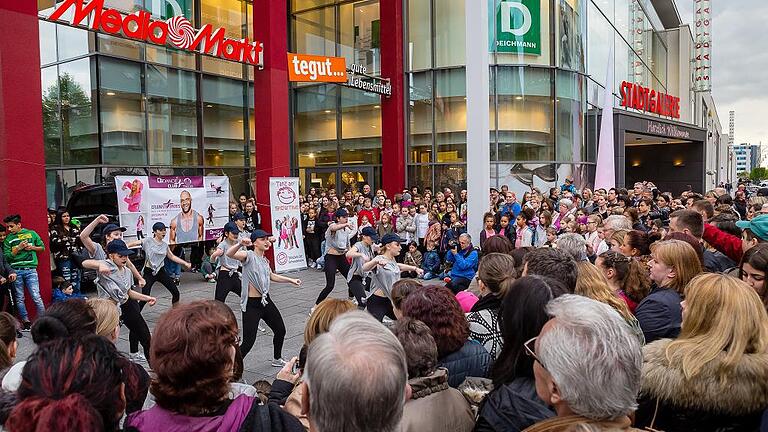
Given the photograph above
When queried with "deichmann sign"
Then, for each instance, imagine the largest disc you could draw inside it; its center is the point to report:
(518, 27)
(177, 31)
(645, 99)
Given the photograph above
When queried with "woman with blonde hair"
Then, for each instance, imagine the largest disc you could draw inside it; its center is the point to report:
(107, 318)
(320, 320)
(714, 376)
(592, 283)
(617, 240)
(673, 264)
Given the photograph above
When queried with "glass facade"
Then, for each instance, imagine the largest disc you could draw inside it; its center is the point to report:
(114, 106)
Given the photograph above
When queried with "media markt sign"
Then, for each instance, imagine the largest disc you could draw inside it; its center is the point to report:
(518, 27)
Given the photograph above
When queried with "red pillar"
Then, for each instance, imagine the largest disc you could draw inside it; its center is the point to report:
(272, 137)
(393, 108)
(22, 158)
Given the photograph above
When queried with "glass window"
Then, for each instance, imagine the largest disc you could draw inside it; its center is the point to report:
(169, 56)
(251, 125)
(451, 115)
(122, 113)
(120, 47)
(572, 24)
(420, 118)
(419, 34)
(314, 125)
(659, 62)
(360, 127)
(223, 122)
(299, 5)
(165, 9)
(450, 33)
(420, 175)
(73, 42)
(524, 101)
(569, 104)
(360, 38)
(622, 63)
(51, 124)
(171, 117)
(47, 42)
(600, 41)
(451, 176)
(228, 14)
(77, 85)
(314, 32)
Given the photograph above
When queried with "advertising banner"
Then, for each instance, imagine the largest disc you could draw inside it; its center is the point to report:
(517, 28)
(194, 208)
(703, 39)
(286, 224)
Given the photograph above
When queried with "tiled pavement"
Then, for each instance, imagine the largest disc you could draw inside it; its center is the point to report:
(294, 304)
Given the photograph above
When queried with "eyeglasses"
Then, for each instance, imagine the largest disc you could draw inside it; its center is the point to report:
(529, 350)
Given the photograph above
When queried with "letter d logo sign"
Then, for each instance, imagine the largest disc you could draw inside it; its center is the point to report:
(507, 9)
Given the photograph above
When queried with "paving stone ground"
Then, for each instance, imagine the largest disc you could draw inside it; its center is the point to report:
(294, 304)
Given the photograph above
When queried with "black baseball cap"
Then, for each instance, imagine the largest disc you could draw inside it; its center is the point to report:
(119, 247)
(110, 227)
(231, 227)
(239, 216)
(390, 238)
(158, 226)
(259, 233)
(342, 212)
(370, 232)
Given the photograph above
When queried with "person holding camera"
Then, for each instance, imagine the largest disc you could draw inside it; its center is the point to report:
(464, 258)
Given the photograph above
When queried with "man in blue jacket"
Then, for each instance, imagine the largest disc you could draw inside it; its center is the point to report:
(464, 258)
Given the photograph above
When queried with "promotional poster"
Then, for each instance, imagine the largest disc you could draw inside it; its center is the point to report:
(286, 224)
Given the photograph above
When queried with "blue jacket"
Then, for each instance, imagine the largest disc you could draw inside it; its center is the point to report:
(510, 209)
(471, 360)
(431, 262)
(464, 264)
(660, 314)
(59, 296)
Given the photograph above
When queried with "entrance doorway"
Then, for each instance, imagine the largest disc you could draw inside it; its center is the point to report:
(339, 179)
(673, 165)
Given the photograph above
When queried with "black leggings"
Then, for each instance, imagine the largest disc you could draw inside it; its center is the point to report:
(379, 307)
(255, 312)
(164, 278)
(138, 328)
(332, 263)
(357, 288)
(226, 284)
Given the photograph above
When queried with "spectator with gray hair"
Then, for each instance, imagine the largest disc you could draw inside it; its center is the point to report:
(464, 258)
(356, 377)
(610, 225)
(588, 366)
(573, 244)
(565, 208)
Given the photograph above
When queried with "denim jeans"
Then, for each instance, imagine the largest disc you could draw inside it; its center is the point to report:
(70, 273)
(28, 278)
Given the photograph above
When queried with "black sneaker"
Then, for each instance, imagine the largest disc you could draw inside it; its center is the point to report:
(27, 326)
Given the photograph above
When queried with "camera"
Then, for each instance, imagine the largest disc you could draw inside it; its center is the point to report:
(453, 244)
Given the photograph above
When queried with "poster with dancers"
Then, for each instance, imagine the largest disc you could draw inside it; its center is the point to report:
(194, 208)
(286, 224)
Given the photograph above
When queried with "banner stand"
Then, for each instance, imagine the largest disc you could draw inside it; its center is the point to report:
(288, 248)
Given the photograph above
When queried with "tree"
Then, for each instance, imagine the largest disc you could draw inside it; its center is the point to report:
(758, 174)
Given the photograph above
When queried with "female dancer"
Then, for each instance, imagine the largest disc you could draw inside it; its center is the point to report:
(229, 268)
(109, 232)
(361, 253)
(385, 271)
(255, 302)
(336, 246)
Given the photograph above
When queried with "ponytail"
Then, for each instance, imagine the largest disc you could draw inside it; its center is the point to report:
(636, 284)
(495, 270)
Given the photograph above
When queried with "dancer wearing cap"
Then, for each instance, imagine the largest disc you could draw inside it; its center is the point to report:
(255, 302)
(239, 220)
(360, 254)
(228, 280)
(109, 232)
(115, 282)
(336, 245)
(385, 271)
(155, 251)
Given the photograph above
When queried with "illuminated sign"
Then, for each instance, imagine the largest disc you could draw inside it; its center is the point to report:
(311, 68)
(177, 32)
(648, 100)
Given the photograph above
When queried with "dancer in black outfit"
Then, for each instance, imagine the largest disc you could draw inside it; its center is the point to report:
(336, 246)
(228, 280)
(255, 302)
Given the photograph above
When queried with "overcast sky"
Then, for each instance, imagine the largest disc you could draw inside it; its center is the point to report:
(739, 64)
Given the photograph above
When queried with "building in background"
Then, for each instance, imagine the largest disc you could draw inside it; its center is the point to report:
(756, 156)
(742, 156)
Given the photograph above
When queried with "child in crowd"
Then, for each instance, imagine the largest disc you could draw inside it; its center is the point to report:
(208, 267)
(431, 261)
(63, 290)
(551, 237)
(413, 258)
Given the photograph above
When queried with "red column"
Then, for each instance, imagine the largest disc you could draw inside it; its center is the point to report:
(393, 108)
(272, 137)
(22, 158)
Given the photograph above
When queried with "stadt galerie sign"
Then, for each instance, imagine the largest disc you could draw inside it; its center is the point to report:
(177, 31)
(645, 99)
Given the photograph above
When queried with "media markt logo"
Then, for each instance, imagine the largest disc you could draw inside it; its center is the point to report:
(518, 27)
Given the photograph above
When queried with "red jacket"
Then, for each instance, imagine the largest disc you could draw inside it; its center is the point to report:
(728, 244)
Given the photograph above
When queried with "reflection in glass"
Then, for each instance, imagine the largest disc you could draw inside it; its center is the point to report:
(314, 125)
(450, 33)
(360, 35)
(571, 39)
(51, 123)
(314, 32)
(77, 84)
(360, 127)
(451, 176)
(524, 98)
(420, 118)
(569, 107)
(121, 47)
(122, 113)
(228, 14)
(73, 42)
(172, 116)
(223, 122)
(450, 115)
(419, 35)
(47, 42)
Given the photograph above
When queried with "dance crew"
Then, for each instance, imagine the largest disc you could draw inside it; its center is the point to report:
(385, 271)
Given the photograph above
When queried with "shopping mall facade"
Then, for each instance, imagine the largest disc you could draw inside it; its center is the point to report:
(114, 105)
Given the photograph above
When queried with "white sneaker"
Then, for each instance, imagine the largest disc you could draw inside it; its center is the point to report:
(137, 357)
(278, 363)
